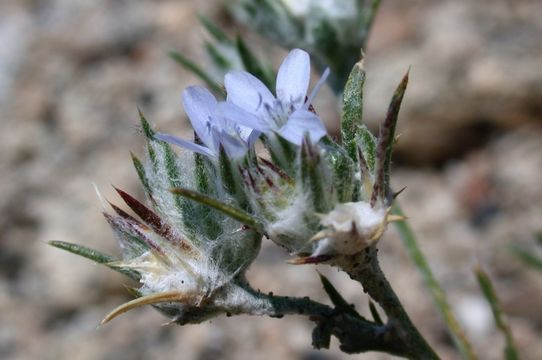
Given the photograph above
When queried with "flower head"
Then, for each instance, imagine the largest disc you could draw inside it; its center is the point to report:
(251, 104)
(212, 129)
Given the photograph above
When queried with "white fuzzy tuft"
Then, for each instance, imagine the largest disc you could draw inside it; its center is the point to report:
(291, 224)
(350, 228)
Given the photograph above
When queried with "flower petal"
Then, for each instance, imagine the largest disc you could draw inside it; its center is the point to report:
(293, 78)
(241, 116)
(200, 105)
(301, 122)
(185, 144)
(234, 147)
(247, 91)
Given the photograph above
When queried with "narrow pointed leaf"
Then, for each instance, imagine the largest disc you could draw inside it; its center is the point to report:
(226, 209)
(169, 296)
(150, 218)
(140, 169)
(277, 170)
(226, 171)
(214, 30)
(384, 147)
(147, 129)
(198, 217)
(352, 112)
(337, 299)
(174, 176)
(343, 170)
(366, 180)
(217, 57)
(527, 257)
(484, 281)
(437, 292)
(149, 134)
(311, 177)
(253, 65)
(133, 236)
(123, 214)
(367, 142)
(198, 71)
(94, 255)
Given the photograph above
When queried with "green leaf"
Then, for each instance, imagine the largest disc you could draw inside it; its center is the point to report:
(140, 169)
(253, 65)
(488, 290)
(215, 31)
(226, 209)
(437, 292)
(343, 169)
(352, 112)
(283, 153)
(198, 71)
(384, 148)
(312, 176)
(527, 257)
(337, 299)
(147, 129)
(218, 59)
(149, 134)
(367, 142)
(94, 255)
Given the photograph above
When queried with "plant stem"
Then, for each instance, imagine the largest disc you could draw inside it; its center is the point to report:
(355, 333)
(365, 269)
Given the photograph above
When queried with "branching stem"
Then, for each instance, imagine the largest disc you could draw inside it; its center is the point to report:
(365, 269)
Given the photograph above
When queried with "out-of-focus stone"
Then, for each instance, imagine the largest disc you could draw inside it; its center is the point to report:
(475, 72)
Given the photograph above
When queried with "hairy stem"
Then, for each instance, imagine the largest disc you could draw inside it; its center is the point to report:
(355, 333)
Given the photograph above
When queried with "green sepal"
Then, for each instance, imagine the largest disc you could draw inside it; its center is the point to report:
(337, 299)
(312, 177)
(510, 350)
(234, 213)
(96, 256)
(147, 128)
(230, 178)
(282, 152)
(352, 112)
(226, 171)
(367, 142)
(140, 169)
(343, 169)
(149, 135)
(198, 71)
(236, 251)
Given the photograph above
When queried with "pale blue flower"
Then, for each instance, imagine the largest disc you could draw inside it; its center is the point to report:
(250, 103)
(211, 127)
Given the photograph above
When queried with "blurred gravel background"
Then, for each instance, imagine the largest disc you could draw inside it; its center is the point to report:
(72, 73)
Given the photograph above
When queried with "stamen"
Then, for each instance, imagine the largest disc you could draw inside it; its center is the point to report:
(315, 90)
